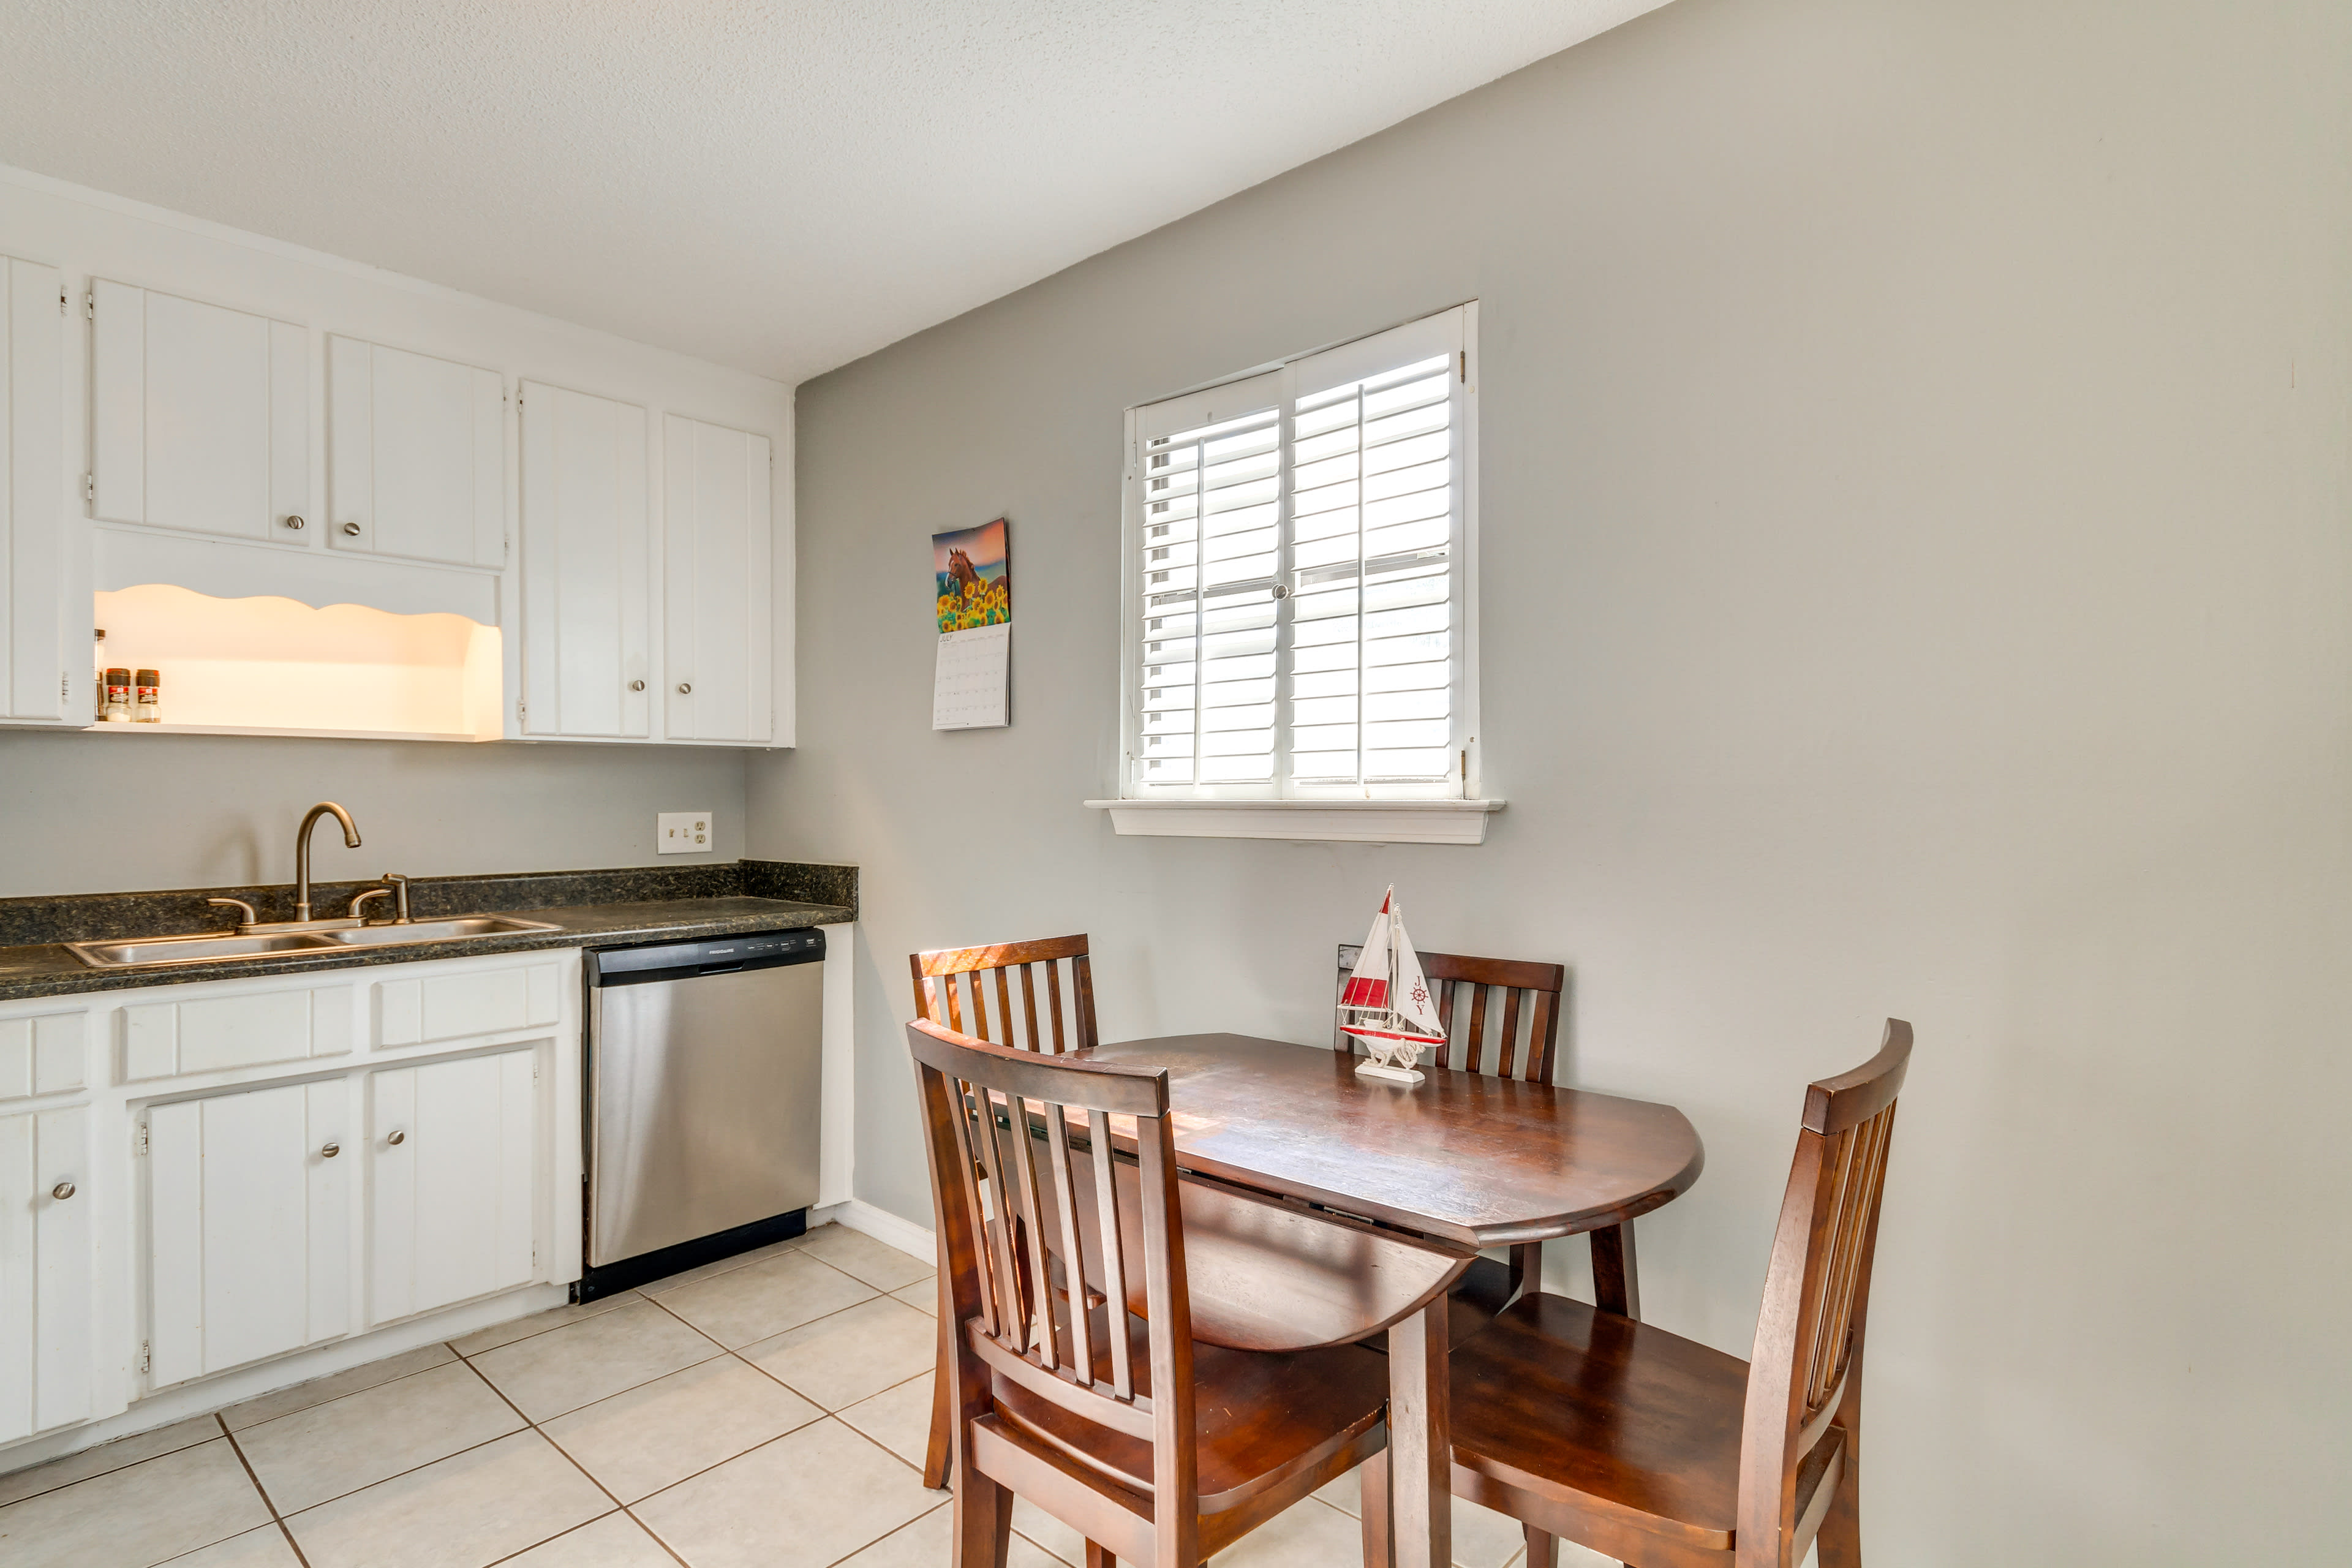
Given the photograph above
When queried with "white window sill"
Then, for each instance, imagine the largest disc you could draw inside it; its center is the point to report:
(1337, 821)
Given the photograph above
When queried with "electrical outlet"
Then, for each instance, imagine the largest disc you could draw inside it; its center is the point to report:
(682, 832)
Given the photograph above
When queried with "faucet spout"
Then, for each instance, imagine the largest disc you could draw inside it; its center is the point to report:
(302, 851)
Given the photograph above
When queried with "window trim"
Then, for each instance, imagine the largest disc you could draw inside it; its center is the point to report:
(1459, 809)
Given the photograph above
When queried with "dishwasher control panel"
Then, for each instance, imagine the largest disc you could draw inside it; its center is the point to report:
(712, 955)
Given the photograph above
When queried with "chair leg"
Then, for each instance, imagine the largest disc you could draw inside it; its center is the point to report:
(1616, 1285)
(1379, 1550)
(942, 1443)
(984, 1521)
(1543, 1550)
(1838, 1543)
(1100, 1557)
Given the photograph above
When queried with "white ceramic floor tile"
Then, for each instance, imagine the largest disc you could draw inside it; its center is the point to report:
(615, 1540)
(753, 1303)
(929, 1543)
(1347, 1493)
(1058, 1539)
(720, 1266)
(861, 1256)
(263, 1548)
(515, 1328)
(592, 1359)
(318, 1390)
(923, 1295)
(1482, 1538)
(806, 1500)
(107, 1457)
(137, 1515)
(661, 1432)
(1306, 1534)
(898, 1418)
(852, 1354)
(467, 1510)
(305, 1458)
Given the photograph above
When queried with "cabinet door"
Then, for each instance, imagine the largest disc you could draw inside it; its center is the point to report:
(453, 1157)
(416, 455)
(32, 491)
(249, 1227)
(199, 416)
(717, 529)
(46, 1304)
(587, 571)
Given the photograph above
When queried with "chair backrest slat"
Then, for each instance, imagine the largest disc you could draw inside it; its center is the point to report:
(1502, 993)
(963, 1082)
(1804, 1377)
(943, 976)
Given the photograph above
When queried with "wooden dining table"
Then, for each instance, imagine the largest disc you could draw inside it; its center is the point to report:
(1299, 1173)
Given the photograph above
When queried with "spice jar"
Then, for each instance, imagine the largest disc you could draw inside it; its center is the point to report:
(148, 706)
(117, 697)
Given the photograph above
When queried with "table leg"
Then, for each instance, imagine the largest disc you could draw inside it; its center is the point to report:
(1421, 1440)
(1615, 1287)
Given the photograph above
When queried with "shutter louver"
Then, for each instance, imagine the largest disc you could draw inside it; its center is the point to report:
(1299, 604)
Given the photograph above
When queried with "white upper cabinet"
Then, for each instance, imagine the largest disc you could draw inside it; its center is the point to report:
(586, 567)
(200, 416)
(416, 455)
(46, 1300)
(716, 534)
(32, 493)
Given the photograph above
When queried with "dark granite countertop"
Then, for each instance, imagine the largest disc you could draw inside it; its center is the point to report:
(698, 906)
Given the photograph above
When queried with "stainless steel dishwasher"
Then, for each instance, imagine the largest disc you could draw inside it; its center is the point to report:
(701, 1135)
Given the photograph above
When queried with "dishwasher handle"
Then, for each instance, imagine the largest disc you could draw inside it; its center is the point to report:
(714, 956)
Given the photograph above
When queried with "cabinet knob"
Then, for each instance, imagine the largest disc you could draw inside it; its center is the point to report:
(636, 686)
(353, 529)
(397, 1139)
(329, 1151)
(685, 687)
(294, 523)
(62, 1191)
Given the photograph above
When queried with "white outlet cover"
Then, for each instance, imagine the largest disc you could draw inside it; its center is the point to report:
(684, 832)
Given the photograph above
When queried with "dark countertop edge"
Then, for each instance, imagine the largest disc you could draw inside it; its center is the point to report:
(78, 979)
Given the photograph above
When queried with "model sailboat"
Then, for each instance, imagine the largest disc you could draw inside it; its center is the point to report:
(1386, 1005)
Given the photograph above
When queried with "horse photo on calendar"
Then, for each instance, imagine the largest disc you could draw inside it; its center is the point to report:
(971, 577)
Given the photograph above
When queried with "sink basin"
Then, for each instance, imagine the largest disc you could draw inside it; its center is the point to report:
(204, 948)
(207, 948)
(432, 931)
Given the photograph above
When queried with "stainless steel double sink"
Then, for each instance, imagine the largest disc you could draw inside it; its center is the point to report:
(140, 953)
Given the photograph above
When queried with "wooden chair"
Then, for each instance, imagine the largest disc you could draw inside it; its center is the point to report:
(952, 983)
(1155, 1448)
(1660, 1451)
(1508, 1014)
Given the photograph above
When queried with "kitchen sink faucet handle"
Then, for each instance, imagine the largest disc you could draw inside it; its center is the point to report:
(250, 918)
(358, 905)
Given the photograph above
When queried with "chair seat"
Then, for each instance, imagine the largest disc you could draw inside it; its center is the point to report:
(1263, 1417)
(1563, 1401)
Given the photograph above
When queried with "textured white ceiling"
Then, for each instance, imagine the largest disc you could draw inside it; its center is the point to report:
(778, 186)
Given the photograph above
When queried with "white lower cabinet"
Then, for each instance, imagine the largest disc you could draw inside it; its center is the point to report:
(452, 1169)
(250, 1204)
(45, 1296)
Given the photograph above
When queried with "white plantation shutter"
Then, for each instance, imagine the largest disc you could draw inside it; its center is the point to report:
(1295, 613)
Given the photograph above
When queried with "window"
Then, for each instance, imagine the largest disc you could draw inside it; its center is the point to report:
(1300, 570)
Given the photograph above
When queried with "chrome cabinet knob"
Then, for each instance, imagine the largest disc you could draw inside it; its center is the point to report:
(636, 686)
(329, 1151)
(294, 523)
(397, 1139)
(353, 529)
(62, 1191)
(685, 687)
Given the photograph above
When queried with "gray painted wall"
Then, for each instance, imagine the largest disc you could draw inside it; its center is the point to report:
(1916, 580)
(85, 814)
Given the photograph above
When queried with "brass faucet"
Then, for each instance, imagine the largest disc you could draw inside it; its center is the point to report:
(302, 852)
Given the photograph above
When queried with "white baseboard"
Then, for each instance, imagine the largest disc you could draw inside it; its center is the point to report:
(882, 1226)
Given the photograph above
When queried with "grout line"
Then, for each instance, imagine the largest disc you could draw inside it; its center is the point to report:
(94, 1475)
(545, 1437)
(275, 1517)
(901, 1530)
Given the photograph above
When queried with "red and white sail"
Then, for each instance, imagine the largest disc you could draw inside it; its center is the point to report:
(1386, 992)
